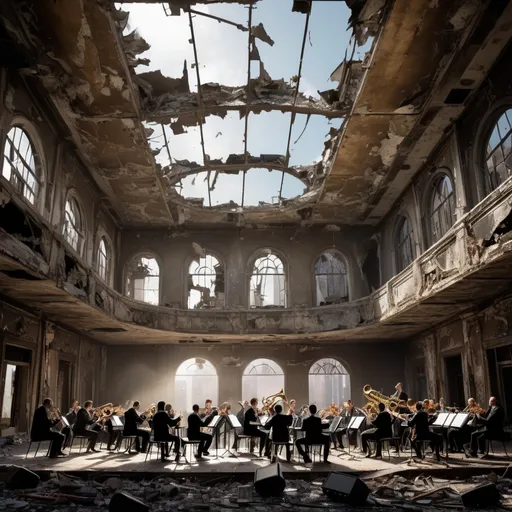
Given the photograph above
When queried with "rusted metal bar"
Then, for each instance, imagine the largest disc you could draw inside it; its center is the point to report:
(221, 20)
(248, 93)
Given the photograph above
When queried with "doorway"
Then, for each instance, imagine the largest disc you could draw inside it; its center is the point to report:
(64, 386)
(506, 386)
(455, 380)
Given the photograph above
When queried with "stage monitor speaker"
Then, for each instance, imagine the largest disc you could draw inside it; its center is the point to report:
(347, 488)
(122, 502)
(21, 478)
(485, 495)
(269, 481)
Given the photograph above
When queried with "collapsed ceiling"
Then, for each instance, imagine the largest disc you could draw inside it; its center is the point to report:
(90, 64)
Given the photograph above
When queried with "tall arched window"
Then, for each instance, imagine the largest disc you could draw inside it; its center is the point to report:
(330, 279)
(498, 155)
(268, 281)
(196, 380)
(442, 209)
(206, 283)
(404, 243)
(21, 165)
(262, 378)
(329, 382)
(104, 259)
(143, 279)
(73, 224)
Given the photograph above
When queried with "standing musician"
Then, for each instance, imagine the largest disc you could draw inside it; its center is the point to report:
(161, 422)
(280, 424)
(382, 430)
(132, 420)
(493, 420)
(419, 424)
(313, 427)
(84, 418)
(399, 393)
(41, 429)
(194, 431)
(251, 415)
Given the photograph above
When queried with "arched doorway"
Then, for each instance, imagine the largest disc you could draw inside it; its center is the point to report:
(329, 382)
(196, 380)
(262, 378)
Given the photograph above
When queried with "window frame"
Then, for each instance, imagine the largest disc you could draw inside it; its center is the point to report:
(400, 264)
(262, 253)
(188, 264)
(343, 260)
(441, 174)
(72, 197)
(150, 254)
(108, 258)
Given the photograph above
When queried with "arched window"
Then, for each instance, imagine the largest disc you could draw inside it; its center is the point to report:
(206, 283)
(268, 281)
(330, 279)
(196, 380)
(442, 210)
(329, 382)
(104, 259)
(21, 165)
(404, 243)
(73, 225)
(143, 279)
(498, 155)
(262, 378)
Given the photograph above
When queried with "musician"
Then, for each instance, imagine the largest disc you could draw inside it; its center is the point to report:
(132, 420)
(168, 409)
(280, 424)
(399, 393)
(493, 420)
(41, 429)
(420, 423)
(348, 412)
(194, 431)
(442, 405)
(313, 427)
(84, 419)
(115, 437)
(382, 430)
(161, 422)
(458, 437)
(251, 415)
(291, 409)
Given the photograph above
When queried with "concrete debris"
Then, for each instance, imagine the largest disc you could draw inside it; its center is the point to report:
(260, 32)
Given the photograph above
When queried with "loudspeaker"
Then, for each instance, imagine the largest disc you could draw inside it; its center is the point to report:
(269, 481)
(22, 478)
(122, 501)
(347, 488)
(482, 495)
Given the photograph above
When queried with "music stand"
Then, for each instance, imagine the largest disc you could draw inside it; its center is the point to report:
(233, 422)
(117, 424)
(215, 424)
(65, 421)
(354, 424)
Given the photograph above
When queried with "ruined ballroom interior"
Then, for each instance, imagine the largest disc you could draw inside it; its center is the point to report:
(157, 221)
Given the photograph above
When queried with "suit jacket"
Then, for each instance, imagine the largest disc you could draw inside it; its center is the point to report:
(132, 420)
(279, 425)
(383, 423)
(250, 430)
(313, 427)
(494, 419)
(161, 423)
(41, 425)
(421, 421)
(83, 418)
(194, 426)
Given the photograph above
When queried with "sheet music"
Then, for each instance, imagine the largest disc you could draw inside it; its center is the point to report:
(440, 420)
(356, 422)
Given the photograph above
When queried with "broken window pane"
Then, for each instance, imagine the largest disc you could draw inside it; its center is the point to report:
(104, 260)
(143, 279)
(499, 151)
(19, 164)
(330, 279)
(443, 207)
(329, 382)
(268, 281)
(206, 283)
(73, 225)
(262, 378)
(196, 380)
(404, 244)
(8, 398)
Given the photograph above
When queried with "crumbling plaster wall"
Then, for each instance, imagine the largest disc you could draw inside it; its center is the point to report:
(236, 251)
(147, 373)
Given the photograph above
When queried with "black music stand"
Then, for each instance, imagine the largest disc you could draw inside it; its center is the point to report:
(444, 421)
(354, 424)
(215, 423)
(233, 423)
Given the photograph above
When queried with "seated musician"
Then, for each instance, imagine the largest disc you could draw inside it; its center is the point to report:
(208, 407)
(382, 430)
(493, 420)
(280, 424)
(84, 419)
(420, 423)
(41, 429)
(251, 415)
(442, 405)
(115, 436)
(162, 421)
(291, 407)
(132, 420)
(399, 393)
(194, 431)
(71, 415)
(313, 427)
(348, 412)
(458, 437)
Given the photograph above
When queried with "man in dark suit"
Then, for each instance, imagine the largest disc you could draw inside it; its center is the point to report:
(280, 424)
(253, 430)
(382, 430)
(493, 420)
(399, 393)
(420, 423)
(83, 420)
(41, 425)
(162, 421)
(132, 420)
(313, 427)
(194, 430)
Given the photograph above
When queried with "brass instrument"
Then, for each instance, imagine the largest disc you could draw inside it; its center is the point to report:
(332, 410)
(374, 398)
(224, 409)
(271, 401)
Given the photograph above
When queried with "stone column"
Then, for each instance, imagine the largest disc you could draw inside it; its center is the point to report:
(474, 360)
(430, 351)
